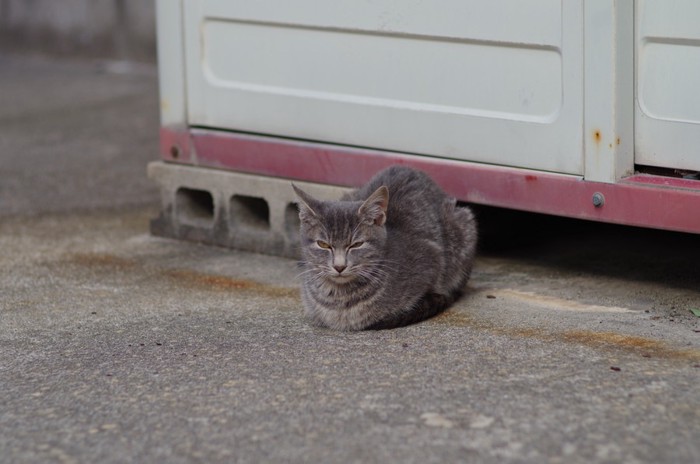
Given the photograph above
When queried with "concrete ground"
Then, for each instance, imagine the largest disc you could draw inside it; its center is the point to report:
(575, 342)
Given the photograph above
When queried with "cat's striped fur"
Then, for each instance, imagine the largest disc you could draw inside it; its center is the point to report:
(392, 253)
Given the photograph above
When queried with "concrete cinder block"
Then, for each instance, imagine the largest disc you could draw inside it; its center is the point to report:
(230, 209)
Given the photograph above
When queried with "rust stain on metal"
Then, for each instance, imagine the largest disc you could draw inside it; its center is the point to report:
(597, 136)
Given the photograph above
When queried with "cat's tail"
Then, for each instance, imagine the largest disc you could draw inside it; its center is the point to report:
(430, 305)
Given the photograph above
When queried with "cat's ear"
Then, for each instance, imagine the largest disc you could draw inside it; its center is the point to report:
(373, 210)
(306, 204)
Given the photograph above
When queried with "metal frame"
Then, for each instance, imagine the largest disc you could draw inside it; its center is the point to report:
(608, 191)
(639, 200)
(608, 103)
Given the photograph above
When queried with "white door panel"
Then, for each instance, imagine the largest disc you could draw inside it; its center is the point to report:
(497, 82)
(667, 118)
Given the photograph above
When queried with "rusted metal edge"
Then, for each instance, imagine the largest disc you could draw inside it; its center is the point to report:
(644, 201)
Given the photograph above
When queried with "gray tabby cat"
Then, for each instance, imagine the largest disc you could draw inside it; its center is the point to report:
(394, 252)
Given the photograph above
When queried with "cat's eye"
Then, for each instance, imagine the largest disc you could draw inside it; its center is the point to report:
(323, 245)
(356, 245)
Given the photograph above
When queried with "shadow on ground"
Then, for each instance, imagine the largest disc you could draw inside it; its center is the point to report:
(577, 246)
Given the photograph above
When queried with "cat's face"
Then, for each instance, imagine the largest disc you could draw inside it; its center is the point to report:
(343, 241)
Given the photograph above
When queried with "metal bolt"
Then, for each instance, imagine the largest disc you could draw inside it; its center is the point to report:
(598, 199)
(175, 151)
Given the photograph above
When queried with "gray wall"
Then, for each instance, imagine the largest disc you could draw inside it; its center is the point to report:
(117, 29)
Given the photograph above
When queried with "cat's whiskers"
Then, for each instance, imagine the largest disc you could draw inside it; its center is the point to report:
(372, 274)
(314, 274)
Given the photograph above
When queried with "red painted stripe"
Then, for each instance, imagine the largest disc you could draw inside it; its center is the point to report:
(646, 201)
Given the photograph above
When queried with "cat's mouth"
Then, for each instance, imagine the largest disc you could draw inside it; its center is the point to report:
(341, 278)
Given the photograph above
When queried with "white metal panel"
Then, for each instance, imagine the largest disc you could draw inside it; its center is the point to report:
(667, 125)
(608, 82)
(497, 82)
(171, 63)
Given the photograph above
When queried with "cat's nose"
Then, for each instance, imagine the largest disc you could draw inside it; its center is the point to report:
(339, 267)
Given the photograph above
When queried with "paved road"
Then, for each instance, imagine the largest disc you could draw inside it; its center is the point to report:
(575, 342)
(75, 135)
